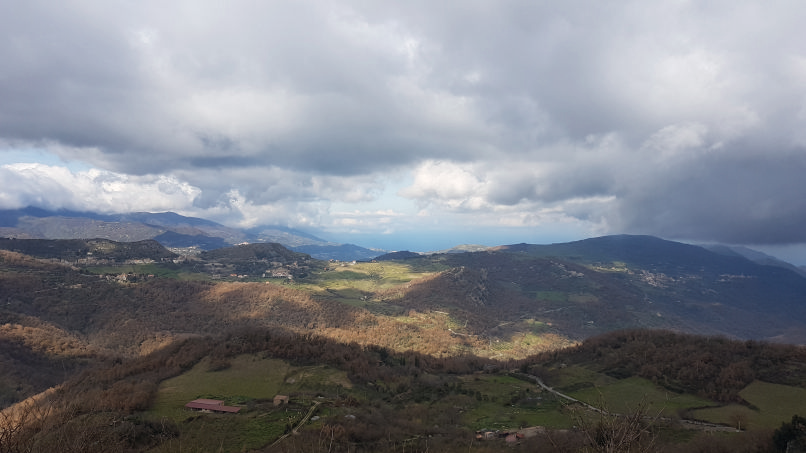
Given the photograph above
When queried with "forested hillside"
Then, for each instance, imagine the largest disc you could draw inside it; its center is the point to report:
(602, 284)
(394, 399)
(86, 251)
(712, 367)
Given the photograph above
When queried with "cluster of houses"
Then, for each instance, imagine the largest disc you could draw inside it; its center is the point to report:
(278, 273)
(338, 263)
(126, 277)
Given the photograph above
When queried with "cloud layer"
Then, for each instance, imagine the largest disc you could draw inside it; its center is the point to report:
(680, 119)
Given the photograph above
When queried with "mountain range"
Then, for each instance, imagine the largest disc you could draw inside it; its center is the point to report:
(191, 234)
(174, 231)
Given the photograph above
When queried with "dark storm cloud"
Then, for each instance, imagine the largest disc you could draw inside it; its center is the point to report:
(736, 200)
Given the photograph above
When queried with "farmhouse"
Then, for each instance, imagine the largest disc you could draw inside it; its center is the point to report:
(206, 405)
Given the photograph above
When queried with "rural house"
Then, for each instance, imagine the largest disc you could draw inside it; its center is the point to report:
(206, 405)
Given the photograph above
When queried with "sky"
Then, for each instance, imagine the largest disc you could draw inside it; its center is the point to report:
(415, 125)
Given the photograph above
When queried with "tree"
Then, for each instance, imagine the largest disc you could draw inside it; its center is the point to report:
(791, 437)
(607, 432)
(739, 420)
(20, 424)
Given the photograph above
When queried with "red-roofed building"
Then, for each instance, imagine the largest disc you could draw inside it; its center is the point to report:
(211, 406)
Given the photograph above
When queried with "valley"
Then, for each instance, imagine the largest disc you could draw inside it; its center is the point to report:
(421, 351)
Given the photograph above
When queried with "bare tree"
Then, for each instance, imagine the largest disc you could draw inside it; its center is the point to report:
(608, 432)
(19, 424)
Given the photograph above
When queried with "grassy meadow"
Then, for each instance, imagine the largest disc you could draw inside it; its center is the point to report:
(625, 395)
(769, 405)
(250, 382)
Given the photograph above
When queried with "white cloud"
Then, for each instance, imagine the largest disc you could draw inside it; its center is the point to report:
(93, 190)
(447, 184)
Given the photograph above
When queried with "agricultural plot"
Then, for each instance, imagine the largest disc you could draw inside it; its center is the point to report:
(250, 382)
(354, 284)
(366, 276)
(248, 377)
(625, 395)
(503, 402)
(771, 405)
(574, 378)
(547, 412)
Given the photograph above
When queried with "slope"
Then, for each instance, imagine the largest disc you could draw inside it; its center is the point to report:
(601, 284)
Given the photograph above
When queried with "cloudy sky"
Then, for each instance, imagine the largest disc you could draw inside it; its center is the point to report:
(415, 125)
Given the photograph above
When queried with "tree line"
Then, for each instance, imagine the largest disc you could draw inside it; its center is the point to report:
(716, 368)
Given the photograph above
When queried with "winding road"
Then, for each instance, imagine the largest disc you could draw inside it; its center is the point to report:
(691, 424)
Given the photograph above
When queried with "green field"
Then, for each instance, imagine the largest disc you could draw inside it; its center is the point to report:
(771, 405)
(547, 412)
(504, 402)
(625, 395)
(574, 378)
(360, 277)
(248, 377)
(251, 382)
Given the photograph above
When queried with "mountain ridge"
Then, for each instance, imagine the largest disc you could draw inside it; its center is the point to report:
(600, 284)
(169, 228)
(193, 234)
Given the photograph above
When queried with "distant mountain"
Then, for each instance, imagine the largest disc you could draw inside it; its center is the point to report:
(40, 224)
(63, 224)
(753, 255)
(289, 237)
(260, 260)
(254, 252)
(176, 240)
(401, 255)
(602, 284)
(341, 252)
(11, 217)
(84, 250)
(465, 248)
(168, 228)
(646, 251)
